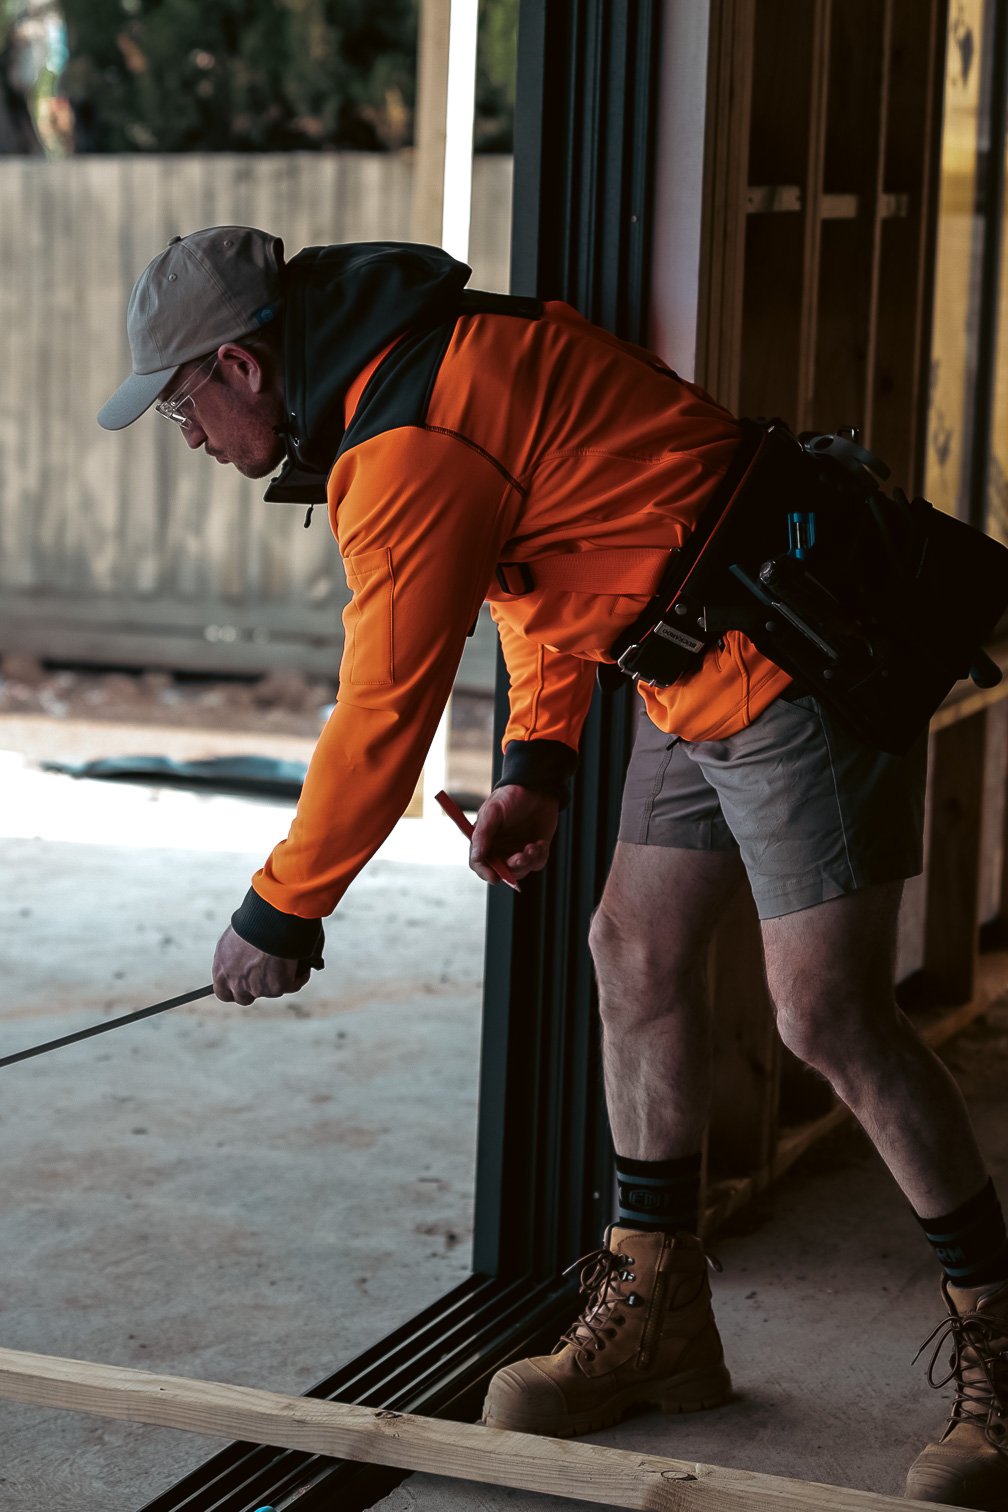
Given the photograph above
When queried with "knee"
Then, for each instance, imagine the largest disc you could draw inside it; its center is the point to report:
(809, 1009)
(640, 974)
(832, 1028)
(812, 1038)
(617, 947)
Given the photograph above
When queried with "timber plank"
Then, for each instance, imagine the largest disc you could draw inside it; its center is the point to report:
(465, 1451)
(726, 156)
(951, 922)
(743, 1124)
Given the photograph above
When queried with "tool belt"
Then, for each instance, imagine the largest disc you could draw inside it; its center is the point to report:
(874, 602)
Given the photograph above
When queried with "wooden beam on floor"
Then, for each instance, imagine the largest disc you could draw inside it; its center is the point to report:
(466, 1451)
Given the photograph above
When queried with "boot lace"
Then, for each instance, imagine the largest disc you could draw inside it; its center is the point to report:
(602, 1272)
(978, 1340)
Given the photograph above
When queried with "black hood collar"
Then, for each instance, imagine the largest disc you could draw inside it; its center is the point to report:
(342, 305)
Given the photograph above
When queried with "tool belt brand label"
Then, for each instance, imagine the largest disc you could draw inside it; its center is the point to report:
(678, 637)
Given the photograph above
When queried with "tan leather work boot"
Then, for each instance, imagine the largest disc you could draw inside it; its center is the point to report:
(646, 1337)
(968, 1467)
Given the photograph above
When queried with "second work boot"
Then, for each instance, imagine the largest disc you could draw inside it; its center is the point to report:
(646, 1337)
(968, 1466)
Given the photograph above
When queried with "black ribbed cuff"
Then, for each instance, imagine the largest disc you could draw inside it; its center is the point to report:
(279, 934)
(544, 765)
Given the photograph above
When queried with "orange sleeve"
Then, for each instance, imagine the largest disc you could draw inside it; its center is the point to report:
(550, 691)
(420, 518)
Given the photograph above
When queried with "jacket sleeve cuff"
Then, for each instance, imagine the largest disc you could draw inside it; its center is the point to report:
(260, 924)
(545, 765)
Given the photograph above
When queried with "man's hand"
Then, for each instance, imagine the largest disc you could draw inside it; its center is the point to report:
(241, 973)
(516, 825)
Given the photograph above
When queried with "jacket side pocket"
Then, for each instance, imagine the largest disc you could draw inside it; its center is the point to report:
(368, 648)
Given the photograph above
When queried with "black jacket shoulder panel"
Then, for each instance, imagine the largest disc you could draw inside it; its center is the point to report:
(342, 305)
(399, 390)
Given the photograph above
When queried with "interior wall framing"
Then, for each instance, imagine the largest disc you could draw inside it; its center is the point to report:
(817, 276)
(822, 151)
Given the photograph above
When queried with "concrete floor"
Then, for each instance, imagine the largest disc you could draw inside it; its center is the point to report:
(254, 1195)
(242, 1194)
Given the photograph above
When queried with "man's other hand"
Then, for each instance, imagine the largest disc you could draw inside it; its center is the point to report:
(516, 825)
(241, 973)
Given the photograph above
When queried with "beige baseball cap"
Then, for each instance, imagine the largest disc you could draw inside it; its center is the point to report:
(203, 289)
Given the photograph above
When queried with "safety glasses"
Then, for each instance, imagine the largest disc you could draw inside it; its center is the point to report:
(178, 406)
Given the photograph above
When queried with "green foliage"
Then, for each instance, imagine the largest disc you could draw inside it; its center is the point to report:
(10, 11)
(240, 75)
(264, 75)
(495, 74)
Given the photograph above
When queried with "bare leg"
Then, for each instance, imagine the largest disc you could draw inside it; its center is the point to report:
(830, 971)
(649, 941)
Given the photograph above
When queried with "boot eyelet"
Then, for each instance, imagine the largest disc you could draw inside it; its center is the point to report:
(600, 1346)
(633, 1300)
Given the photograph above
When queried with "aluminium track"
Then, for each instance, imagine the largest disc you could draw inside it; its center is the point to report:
(437, 1364)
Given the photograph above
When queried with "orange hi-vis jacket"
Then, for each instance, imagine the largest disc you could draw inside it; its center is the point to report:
(544, 444)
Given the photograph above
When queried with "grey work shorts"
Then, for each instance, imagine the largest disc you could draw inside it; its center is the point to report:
(812, 810)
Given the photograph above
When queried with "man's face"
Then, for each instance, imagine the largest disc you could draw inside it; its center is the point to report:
(233, 412)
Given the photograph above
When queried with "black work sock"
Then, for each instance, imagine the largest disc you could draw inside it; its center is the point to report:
(971, 1242)
(659, 1195)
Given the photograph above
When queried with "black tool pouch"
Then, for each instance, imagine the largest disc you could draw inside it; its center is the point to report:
(874, 602)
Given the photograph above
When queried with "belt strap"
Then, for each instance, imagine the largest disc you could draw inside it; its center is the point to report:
(621, 569)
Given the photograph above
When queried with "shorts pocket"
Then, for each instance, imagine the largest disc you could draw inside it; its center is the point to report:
(368, 647)
(805, 701)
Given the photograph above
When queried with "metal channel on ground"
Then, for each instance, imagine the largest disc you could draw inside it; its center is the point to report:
(583, 195)
(437, 1365)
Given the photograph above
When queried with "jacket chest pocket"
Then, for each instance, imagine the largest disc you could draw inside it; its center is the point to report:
(368, 648)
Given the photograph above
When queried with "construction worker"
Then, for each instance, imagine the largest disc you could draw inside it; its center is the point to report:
(469, 448)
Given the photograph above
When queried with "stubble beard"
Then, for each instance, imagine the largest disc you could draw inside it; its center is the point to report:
(262, 466)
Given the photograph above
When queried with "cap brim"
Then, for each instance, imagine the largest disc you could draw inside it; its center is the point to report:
(133, 397)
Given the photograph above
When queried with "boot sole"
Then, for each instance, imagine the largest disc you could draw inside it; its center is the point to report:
(693, 1391)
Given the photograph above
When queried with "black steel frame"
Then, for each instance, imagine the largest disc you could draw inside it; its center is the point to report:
(587, 83)
(587, 79)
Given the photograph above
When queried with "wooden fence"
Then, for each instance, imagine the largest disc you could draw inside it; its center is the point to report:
(952, 961)
(124, 549)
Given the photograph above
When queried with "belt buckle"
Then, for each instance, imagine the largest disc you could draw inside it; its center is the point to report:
(629, 660)
(525, 577)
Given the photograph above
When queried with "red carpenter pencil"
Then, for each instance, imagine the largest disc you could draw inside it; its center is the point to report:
(454, 813)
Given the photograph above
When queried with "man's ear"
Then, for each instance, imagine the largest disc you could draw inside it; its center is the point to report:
(242, 367)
